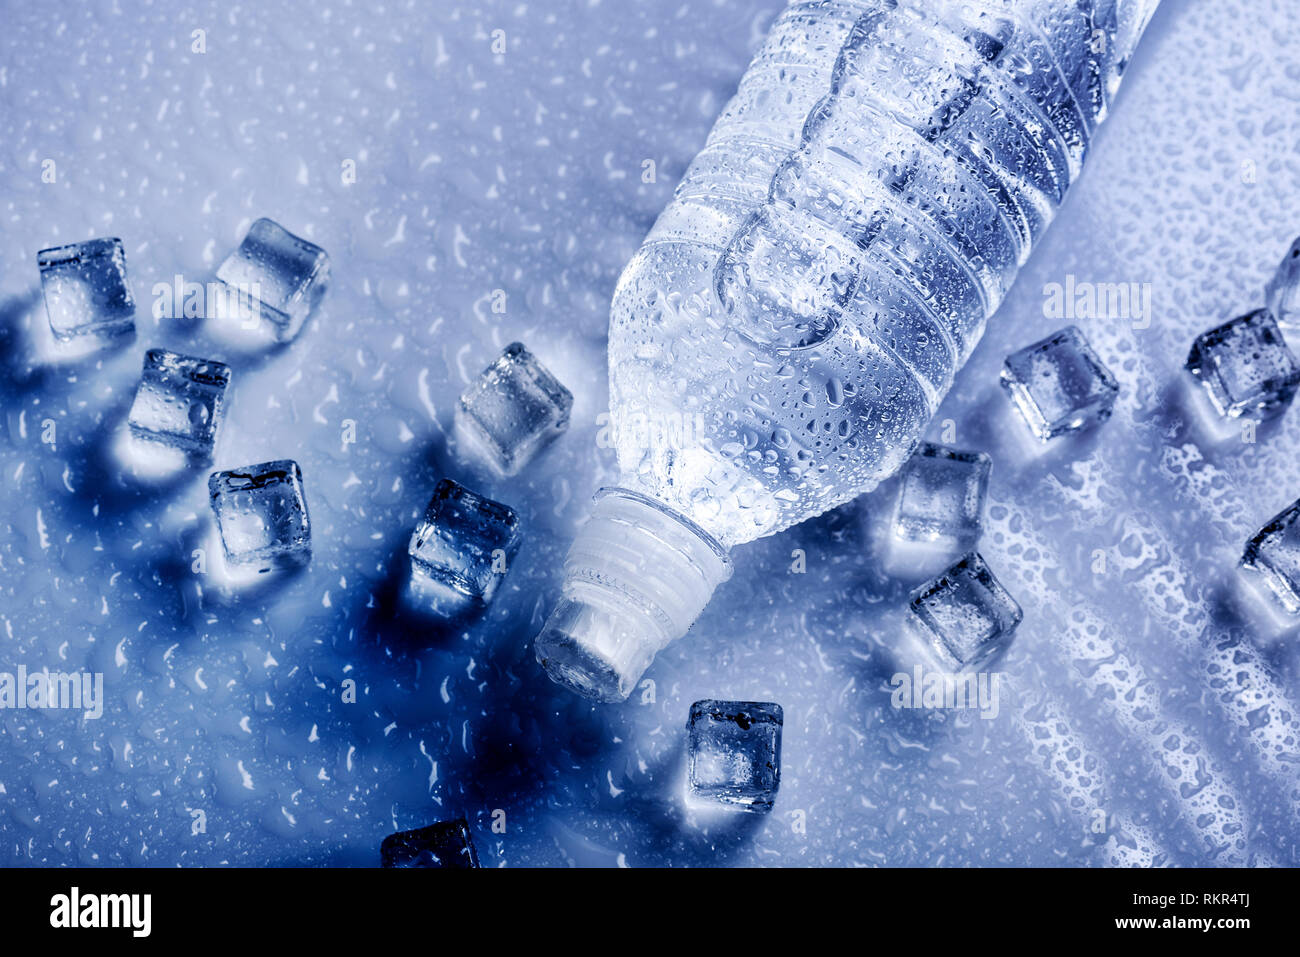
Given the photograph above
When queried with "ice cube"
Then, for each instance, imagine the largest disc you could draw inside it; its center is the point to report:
(966, 615)
(1245, 366)
(1282, 294)
(734, 753)
(262, 515)
(1272, 558)
(86, 289)
(278, 276)
(464, 545)
(179, 402)
(1059, 385)
(514, 408)
(445, 844)
(941, 496)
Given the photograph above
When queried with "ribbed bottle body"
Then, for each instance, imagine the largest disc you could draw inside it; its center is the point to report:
(830, 258)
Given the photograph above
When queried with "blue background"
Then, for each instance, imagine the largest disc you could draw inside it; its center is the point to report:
(1141, 692)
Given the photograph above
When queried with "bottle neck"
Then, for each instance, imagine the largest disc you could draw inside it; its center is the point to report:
(636, 578)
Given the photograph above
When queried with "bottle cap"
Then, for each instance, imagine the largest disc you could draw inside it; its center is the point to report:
(636, 578)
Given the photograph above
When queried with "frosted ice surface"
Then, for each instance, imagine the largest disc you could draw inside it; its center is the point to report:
(86, 289)
(261, 513)
(445, 844)
(513, 409)
(180, 401)
(966, 614)
(465, 543)
(734, 753)
(277, 275)
(941, 495)
(1059, 384)
(1245, 366)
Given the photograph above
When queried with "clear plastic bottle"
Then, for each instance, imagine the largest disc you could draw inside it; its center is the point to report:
(828, 262)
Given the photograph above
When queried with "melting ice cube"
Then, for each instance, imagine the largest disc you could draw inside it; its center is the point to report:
(278, 276)
(445, 844)
(941, 496)
(86, 290)
(513, 409)
(1245, 366)
(179, 402)
(966, 615)
(734, 753)
(1059, 384)
(261, 513)
(1272, 558)
(463, 547)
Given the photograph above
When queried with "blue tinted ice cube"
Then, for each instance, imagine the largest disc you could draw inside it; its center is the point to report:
(278, 276)
(465, 543)
(261, 513)
(445, 844)
(179, 402)
(1245, 366)
(734, 753)
(966, 615)
(941, 495)
(86, 290)
(1282, 293)
(1059, 385)
(1272, 558)
(514, 408)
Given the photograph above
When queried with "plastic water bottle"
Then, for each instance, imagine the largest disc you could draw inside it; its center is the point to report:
(828, 262)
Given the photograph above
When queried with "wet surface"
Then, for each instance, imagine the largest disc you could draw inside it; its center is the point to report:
(468, 199)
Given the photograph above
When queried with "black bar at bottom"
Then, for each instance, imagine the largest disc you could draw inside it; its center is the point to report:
(298, 906)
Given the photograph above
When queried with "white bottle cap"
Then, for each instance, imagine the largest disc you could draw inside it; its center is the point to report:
(636, 578)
